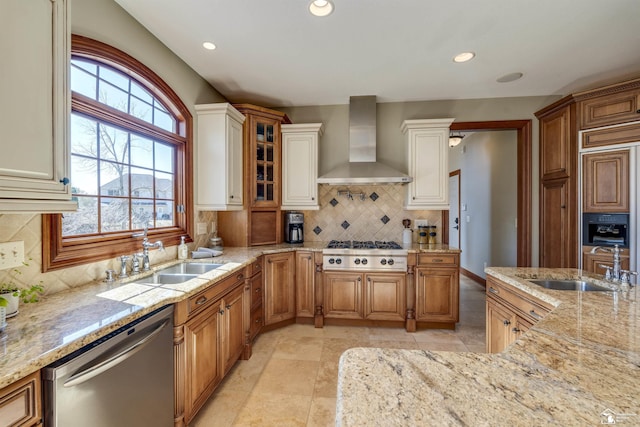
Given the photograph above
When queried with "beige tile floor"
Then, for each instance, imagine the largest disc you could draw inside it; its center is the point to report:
(291, 378)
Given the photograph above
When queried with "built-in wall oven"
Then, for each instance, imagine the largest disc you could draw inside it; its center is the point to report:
(124, 379)
(605, 229)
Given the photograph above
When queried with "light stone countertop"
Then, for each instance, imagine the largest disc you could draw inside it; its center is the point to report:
(64, 322)
(575, 367)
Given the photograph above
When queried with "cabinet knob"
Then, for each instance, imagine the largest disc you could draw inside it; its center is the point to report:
(313, 198)
(506, 322)
(232, 196)
(65, 181)
(638, 111)
(493, 291)
(515, 330)
(228, 306)
(221, 311)
(258, 290)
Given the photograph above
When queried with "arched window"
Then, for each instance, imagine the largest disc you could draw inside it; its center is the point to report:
(130, 149)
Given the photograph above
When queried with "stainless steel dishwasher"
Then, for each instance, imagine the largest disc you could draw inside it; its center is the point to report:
(123, 379)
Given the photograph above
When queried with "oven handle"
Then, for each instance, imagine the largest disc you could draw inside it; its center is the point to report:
(115, 360)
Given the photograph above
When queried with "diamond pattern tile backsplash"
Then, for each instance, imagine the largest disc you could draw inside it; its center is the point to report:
(378, 217)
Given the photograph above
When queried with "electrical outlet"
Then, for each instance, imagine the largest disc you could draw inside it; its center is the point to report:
(11, 254)
(201, 228)
(422, 222)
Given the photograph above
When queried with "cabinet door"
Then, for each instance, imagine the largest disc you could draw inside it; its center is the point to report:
(606, 181)
(34, 109)
(428, 164)
(218, 157)
(558, 229)
(300, 166)
(233, 338)
(343, 295)
(279, 298)
(385, 296)
(265, 173)
(204, 361)
(556, 142)
(611, 109)
(500, 322)
(20, 402)
(305, 280)
(265, 227)
(437, 295)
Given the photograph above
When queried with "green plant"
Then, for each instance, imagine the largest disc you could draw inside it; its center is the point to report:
(10, 285)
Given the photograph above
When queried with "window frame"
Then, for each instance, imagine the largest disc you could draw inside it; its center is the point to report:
(59, 252)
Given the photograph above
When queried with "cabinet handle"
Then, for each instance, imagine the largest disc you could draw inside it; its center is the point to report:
(232, 196)
(240, 276)
(368, 279)
(201, 300)
(65, 181)
(221, 311)
(516, 330)
(258, 290)
(313, 198)
(269, 261)
(437, 260)
(506, 322)
(258, 319)
(493, 291)
(637, 111)
(535, 315)
(359, 279)
(228, 306)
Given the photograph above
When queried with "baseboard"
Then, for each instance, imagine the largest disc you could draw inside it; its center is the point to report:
(473, 277)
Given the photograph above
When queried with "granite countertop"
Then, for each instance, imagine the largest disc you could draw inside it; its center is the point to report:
(578, 366)
(64, 322)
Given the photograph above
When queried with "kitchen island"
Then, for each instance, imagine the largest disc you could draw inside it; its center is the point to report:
(580, 365)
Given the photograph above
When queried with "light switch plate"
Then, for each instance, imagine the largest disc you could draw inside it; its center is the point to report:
(11, 254)
(201, 228)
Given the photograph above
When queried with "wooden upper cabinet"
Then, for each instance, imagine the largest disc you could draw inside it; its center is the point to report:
(557, 143)
(611, 109)
(606, 181)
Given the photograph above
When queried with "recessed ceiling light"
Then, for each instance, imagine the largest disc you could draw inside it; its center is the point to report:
(509, 77)
(464, 57)
(208, 45)
(321, 7)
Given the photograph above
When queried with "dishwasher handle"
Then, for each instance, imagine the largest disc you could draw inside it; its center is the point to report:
(116, 359)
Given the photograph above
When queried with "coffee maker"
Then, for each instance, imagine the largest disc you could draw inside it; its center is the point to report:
(294, 227)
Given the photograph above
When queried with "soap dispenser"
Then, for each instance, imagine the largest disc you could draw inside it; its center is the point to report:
(183, 249)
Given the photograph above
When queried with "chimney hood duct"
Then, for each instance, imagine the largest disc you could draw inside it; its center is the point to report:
(362, 167)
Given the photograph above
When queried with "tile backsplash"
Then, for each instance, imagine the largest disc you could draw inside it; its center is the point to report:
(363, 212)
(28, 228)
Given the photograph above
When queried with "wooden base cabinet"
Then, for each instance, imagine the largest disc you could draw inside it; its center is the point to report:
(305, 284)
(21, 402)
(209, 337)
(279, 292)
(510, 313)
(256, 314)
(385, 296)
(343, 295)
(438, 288)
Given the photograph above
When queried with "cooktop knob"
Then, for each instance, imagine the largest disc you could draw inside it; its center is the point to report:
(383, 261)
(331, 260)
(357, 261)
(339, 261)
(364, 261)
(390, 262)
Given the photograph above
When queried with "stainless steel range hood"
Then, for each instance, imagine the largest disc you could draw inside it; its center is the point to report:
(363, 167)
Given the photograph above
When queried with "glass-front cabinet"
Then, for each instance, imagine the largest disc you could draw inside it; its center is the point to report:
(259, 223)
(266, 151)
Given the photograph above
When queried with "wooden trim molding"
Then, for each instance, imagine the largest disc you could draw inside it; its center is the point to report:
(524, 138)
(61, 253)
(473, 276)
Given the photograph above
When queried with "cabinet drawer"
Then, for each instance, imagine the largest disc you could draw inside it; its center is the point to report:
(256, 321)
(437, 259)
(530, 308)
(255, 267)
(20, 402)
(256, 293)
(610, 109)
(212, 293)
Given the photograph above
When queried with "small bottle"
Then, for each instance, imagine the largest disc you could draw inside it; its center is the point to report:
(183, 249)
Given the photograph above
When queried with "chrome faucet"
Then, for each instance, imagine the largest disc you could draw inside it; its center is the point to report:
(146, 266)
(615, 273)
(616, 263)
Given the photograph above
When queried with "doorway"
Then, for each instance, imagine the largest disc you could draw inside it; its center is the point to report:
(524, 140)
(454, 210)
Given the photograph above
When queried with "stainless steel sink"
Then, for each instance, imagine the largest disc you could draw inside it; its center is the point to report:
(189, 268)
(166, 279)
(569, 285)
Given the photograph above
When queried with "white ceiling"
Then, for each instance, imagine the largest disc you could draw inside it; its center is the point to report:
(275, 53)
